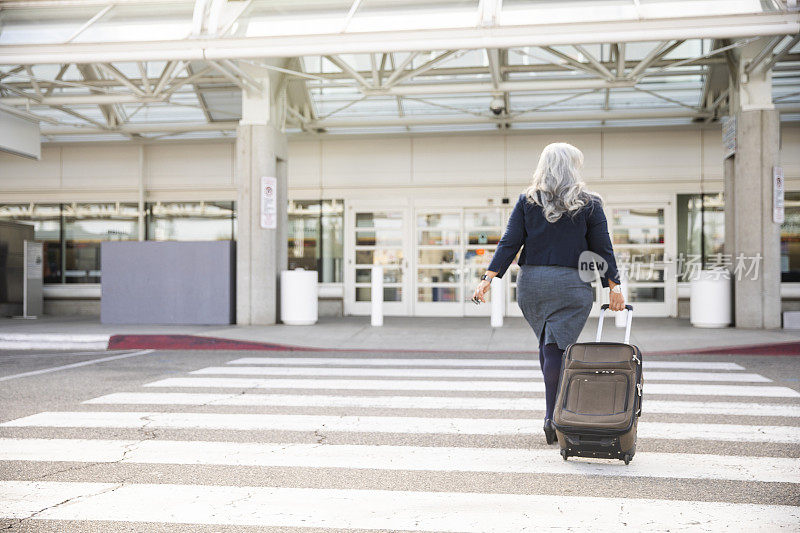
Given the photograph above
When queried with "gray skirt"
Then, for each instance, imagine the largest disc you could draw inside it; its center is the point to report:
(555, 302)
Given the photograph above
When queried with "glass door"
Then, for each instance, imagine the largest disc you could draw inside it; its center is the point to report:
(376, 237)
(483, 228)
(639, 234)
(438, 277)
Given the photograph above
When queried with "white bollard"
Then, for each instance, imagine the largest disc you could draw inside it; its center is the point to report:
(498, 303)
(377, 295)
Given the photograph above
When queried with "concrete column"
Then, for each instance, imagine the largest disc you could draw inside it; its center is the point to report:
(261, 253)
(749, 229)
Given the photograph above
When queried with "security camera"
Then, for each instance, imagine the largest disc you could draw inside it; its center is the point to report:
(497, 105)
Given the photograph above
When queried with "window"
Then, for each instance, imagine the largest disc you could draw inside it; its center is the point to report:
(191, 221)
(46, 222)
(315, 237)
(72, 233)
(85, 227)
(701, 230)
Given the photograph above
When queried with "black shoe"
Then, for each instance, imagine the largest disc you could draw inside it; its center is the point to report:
(549, 432)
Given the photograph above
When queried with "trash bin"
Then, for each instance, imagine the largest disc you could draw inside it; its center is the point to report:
(299, 299)
(710, 299)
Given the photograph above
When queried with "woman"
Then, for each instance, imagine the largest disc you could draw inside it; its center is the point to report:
(554, 221)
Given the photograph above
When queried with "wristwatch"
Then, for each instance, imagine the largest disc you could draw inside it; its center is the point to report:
(485, 277)
(617, 289)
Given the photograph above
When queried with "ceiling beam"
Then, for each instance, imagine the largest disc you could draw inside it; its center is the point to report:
(100, 14)
(408, 40)
(112, 71)
(425, 67)
(34, 83)
(763, 54)
(61, 72)
(253, 84)
(200, 98)
(83, 99)
(402, 90)
(350, 14)
(538, 116)
(147, 128)
(344, 67)
(196, 78)
(493, 56)
(231, 76)
(654, 55)
(207, 78)
(599, 67)
(404, 121)
(503, 86)
(780, 55)
(399, 70)
(373, 62)
(569, 60)
(169, 68)
(111, 113)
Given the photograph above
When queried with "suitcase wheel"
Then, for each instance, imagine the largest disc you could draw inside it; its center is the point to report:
(627, 458)
(564, 454)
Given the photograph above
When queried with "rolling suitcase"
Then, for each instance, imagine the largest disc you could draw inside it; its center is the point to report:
(599, 397)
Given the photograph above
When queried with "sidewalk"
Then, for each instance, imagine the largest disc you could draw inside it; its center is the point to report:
(398, 333)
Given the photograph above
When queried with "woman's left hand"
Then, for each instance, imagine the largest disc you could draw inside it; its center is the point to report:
(616, 301)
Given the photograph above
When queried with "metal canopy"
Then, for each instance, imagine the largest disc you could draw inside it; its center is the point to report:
(100, 69)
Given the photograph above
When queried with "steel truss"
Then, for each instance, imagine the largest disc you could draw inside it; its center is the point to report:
(124, 82)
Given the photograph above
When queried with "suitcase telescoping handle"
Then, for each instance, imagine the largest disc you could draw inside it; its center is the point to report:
(628, 312)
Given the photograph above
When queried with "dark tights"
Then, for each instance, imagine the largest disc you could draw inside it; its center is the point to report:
(550, 361)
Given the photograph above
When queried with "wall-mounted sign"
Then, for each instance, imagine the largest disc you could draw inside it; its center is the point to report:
(777, 195)
(728, 137)
(269, 203)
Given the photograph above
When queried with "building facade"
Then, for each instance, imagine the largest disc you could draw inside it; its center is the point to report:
(429, 208)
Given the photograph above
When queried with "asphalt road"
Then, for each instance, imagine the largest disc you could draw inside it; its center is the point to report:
(189, 441)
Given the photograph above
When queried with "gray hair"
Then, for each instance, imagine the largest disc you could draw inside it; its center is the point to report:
(558, 182)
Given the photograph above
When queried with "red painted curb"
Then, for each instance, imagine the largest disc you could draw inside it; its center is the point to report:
(192, 342)
(195, 342)
(791, 348)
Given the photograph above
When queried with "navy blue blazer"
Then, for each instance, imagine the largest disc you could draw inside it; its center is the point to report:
(555, 243)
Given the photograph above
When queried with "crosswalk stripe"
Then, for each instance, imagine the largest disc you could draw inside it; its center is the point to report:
(375, 509)
(430, 385)
(385, 424)
(526, 363)
(413, 458)
(424, 402)
(457, 373)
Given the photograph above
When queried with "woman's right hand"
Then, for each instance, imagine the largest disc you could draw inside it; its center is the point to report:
(480, 290)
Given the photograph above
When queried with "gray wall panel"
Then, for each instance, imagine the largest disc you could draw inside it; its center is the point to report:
(167, 282)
